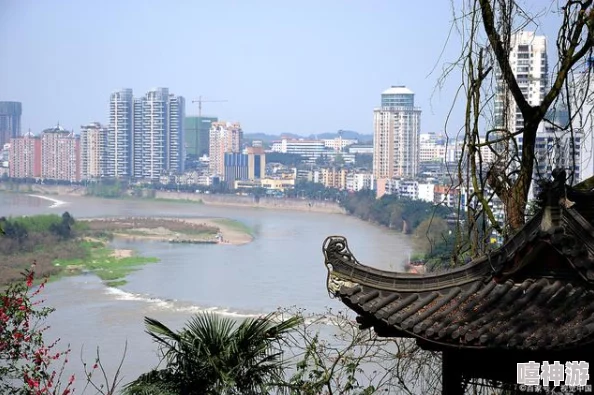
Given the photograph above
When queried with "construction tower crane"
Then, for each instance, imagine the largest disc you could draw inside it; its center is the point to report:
(200, 101)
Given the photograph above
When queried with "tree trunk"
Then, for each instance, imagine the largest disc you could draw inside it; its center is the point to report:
(517, 198)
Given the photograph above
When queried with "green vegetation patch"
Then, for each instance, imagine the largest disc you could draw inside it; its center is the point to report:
(101, 261)
(60, 246)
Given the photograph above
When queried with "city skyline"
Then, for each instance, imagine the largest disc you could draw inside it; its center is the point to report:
(332, 51)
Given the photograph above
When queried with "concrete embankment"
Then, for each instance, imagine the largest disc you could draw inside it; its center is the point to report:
(208, 199)
(64, 190)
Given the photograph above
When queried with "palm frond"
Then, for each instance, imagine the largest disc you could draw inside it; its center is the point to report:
(214, 354)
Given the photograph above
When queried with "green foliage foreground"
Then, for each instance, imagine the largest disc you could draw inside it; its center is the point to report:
(213, 355)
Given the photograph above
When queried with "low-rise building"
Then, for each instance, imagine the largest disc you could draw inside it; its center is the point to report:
(338, 143)
(309, 149)
(359, 181)
(446, 195)
(426, 192)
(334, 177)
(267, 183)
(405, 188)
(361, 149)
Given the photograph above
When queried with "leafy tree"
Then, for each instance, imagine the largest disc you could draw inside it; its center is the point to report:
(212, 355)
(431, 232)
(15, 230)
(63, 229)
(391, 210)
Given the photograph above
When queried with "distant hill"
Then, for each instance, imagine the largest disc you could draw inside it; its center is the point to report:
(347, 134)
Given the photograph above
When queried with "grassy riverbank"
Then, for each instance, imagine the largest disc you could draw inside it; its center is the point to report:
(61, 246)
(109, 265)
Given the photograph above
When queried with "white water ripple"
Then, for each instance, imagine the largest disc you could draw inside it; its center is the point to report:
(174, 305)
(56, 202)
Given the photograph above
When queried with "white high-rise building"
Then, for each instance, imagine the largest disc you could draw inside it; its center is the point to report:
(119, 135)
(397, 125)
(158, 134)
(529, 64)
(176, 155)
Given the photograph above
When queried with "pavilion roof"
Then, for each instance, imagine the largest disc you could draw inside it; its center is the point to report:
(536, 292)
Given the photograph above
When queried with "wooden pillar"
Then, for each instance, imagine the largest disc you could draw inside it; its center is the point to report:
(451, 372)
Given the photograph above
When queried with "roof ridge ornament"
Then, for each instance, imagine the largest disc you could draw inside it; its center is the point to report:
(552, 197)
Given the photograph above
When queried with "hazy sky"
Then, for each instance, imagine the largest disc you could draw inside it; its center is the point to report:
(302, 67)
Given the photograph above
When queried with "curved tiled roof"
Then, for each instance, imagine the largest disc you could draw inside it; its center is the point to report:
(534, 293)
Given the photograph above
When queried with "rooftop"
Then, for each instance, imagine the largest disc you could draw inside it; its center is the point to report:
(398, 90)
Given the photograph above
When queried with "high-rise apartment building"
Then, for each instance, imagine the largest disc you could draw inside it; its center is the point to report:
(197, 131)
(93, 138)
(176, 144)
(150, 136)
(529, 63)
(158, 134)
(225, 137)
(118, 152)
(554, 148)
(60, 155)
(397, 125)
(145, 138)
(583, 104)
(24, 156)
(10, 120)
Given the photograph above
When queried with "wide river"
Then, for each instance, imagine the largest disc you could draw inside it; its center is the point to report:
(282, 267)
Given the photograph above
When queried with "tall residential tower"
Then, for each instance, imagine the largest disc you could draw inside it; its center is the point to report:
(118, 149)
(396, 131)
(554, 147)
(158, 142)
(529, 63)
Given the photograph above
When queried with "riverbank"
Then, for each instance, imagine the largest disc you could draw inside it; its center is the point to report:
(110, 265)
(55, 258)
(316, 206)
(61, 245)
(172, 230)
